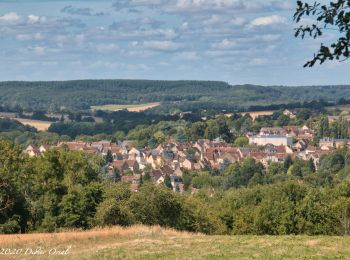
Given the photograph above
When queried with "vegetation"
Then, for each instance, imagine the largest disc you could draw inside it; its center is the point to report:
(24, 135)
(152, 130)
(64, 189)
(175, 96)
(333, 16)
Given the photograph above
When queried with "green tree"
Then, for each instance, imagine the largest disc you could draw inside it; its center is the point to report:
(287, 162)
(114, 209)
(167, 182)
(13, 214)
(333, 16)
(109, 157)
(156, 206)
(241, 141)
(196, 131)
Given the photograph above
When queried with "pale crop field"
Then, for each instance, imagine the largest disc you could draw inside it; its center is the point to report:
(40, 125)
(254, 115)
(131, 108)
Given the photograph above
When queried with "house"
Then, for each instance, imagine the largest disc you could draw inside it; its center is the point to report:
(303, 133)
(44, 148)
(134, 179)
(166, 170)
(274, 139)
(332, 119)
(133, 165)
(73, 146)
(332, 142)
(178, 172)
(90, 150)
(134, 187)
(175, 183)
(157, 176)
(154, 159)
(187, 164)
(32, 150)
(272, 131)
(120, 165)
(289, 113)
(300, 145)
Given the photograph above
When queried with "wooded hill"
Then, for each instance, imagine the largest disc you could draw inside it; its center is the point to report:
(174, 95)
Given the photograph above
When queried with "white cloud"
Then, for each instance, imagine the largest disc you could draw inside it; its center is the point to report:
(187, 56)
(237, 21)
(211, 5)
(105, 64)
(258, 61)
(268, 37)
(268, 20)
(199, 6)
(13, 18)
(162, 45)
(33, 18)
(30, 37)
(38, 50)
(106, 48)
(214, 19)
(10, 18)
(225, 44)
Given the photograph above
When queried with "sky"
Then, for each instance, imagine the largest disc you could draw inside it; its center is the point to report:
(236, 41)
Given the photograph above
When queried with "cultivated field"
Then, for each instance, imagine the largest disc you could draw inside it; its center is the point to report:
(341, 108)
(139, 242)
(254, 115)
(131, 108)
(40, 125)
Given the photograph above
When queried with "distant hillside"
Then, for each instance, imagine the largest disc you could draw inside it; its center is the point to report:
(174, 95)
(139, 242)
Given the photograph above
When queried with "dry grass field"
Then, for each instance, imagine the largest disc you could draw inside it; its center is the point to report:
(131, 108)
(40, 125)
(254, 115)
(341, 108)
(139, 242)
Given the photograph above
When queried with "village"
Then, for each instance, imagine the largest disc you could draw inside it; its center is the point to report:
(170, 160)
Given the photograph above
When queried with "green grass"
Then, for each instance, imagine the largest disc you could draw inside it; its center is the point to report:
(134, 108)
(139, 242)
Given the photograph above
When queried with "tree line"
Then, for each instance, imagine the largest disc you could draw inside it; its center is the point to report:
(175, 96)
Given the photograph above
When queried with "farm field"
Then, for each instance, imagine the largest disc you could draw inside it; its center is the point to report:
(130, 108)
(341, 108)
(254, 115)
(140, 242)
(40, 125)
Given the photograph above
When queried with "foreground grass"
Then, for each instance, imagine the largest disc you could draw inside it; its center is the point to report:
(130, 108)
(141, 242)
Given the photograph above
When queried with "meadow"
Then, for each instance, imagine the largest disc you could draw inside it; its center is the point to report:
(140, 242)
(130, 108)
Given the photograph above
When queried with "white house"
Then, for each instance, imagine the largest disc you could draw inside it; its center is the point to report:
(276, 140)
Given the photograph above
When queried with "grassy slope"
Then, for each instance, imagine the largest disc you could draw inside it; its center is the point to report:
(140, 242)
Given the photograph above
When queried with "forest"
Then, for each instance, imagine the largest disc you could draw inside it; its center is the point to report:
(175, 96)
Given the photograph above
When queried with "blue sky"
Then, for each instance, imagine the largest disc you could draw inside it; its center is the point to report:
(235, 41)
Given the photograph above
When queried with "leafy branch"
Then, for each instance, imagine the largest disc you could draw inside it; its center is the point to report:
(335, 16)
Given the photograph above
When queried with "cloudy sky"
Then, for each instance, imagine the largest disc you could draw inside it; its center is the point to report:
(236, 41)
